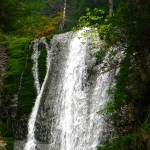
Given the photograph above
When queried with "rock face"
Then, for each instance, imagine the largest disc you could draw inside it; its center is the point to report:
(3, 65)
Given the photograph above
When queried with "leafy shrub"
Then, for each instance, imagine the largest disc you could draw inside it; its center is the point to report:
(51, 26)
(121, 143)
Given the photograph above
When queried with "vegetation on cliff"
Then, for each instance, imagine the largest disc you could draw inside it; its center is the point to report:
(128, 111)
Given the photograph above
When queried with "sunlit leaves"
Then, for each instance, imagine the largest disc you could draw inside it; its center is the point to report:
(33, 24)
(51, 26)
(91, 19)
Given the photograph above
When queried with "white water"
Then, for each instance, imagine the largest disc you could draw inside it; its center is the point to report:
(31, 141)
(77, 125)
(72, 90)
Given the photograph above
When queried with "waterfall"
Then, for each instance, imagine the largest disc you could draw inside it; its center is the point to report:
(31, 142)
(75, 88)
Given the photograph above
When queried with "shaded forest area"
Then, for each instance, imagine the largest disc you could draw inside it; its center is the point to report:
(120, 22)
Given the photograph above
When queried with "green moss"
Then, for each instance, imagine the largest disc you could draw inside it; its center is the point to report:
(17, 64)
(18, 43)
(27, 93)
(42, 65)
(19, 79)
(17, 51)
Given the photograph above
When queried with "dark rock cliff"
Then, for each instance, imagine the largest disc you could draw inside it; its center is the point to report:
(3, 66)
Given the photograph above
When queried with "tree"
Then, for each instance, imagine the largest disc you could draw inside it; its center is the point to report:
(14, 12)
(62, 22)
(67, 7)
(110, 5)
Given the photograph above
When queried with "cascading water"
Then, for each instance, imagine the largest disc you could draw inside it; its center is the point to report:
(31, 142)
(75, 88)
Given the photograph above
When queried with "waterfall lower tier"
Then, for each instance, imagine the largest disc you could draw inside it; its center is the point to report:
(75, 90)
(31, 141)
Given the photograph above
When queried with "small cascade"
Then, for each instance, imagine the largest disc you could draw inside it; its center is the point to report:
(31, 142)
(72, 91)
(35, 57)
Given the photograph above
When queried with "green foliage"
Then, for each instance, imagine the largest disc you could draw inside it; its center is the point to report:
(31, 25)
(10, 143)
(122, 143)
(91, 19)
(51, 27)
(122, 28)
(14, 14)
(8, 135)
(126, 24)
(128, 109)
(9, 10)
(4, 131)
(27, 93)
(82, 5)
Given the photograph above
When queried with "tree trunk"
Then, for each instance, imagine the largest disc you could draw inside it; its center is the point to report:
(110, 5)
(62, 23)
